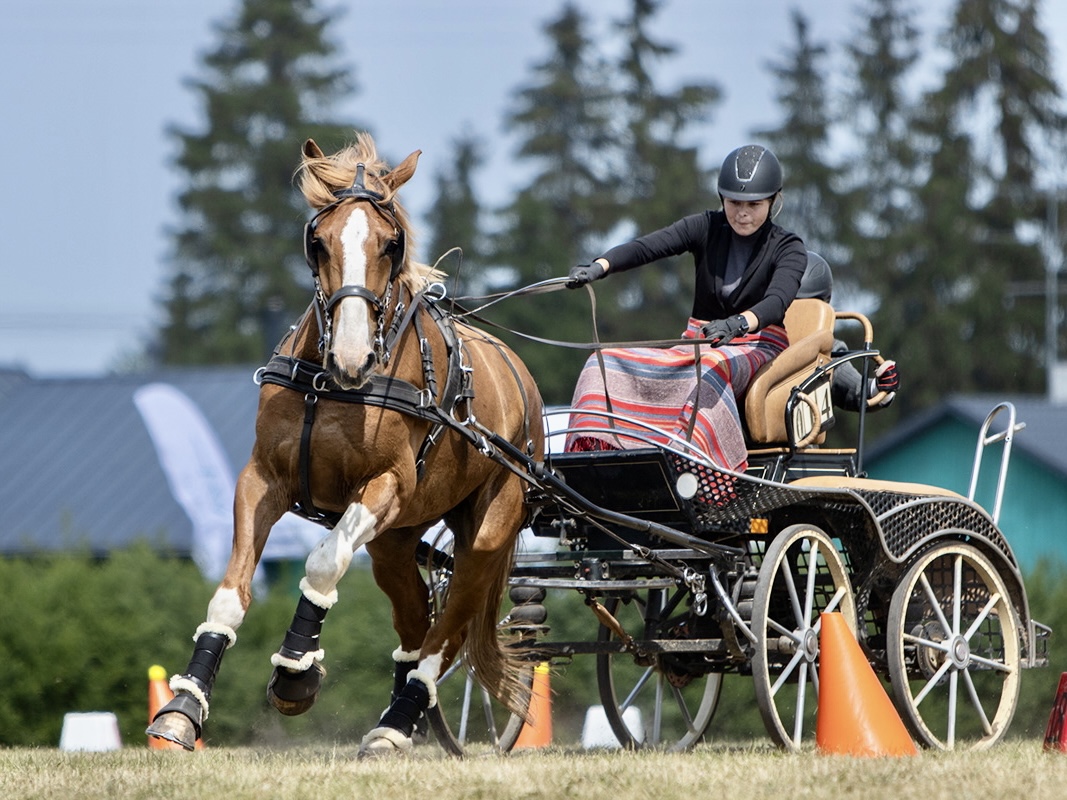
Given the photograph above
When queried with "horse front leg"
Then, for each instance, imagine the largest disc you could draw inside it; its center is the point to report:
(182, 719)
(298, 672)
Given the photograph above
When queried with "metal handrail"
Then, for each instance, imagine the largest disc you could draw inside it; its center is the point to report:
(984, 438)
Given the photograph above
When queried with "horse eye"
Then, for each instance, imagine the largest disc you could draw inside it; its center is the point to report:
(392, 247)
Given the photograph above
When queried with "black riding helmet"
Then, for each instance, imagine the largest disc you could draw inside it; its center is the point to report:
(818, 281)
(751, 172)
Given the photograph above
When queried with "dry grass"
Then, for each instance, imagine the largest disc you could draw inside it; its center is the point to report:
(1013, 769)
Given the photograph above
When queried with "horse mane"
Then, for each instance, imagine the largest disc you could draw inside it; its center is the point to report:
(319, 177)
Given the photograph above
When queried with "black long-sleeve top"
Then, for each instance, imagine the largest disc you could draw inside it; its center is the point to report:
(767, 287)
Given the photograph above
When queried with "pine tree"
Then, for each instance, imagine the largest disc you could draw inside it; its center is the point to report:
(812, 206)
(455, 219)
(985, 128)
(564, 119)
(882, 177)
(237, 265)
(662, 178)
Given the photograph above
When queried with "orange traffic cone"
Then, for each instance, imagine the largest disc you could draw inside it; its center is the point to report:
(538, 731)
(159, 694)
(855, 716)
(1054, 733)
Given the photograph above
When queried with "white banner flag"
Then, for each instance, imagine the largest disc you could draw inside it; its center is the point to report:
(202, 481)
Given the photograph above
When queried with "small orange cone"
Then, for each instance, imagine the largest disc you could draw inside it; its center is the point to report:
(1054, 734)
(159, 694)
(538, 731)
(855, 716)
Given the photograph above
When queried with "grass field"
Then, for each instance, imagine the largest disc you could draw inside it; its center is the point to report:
(1014, 769)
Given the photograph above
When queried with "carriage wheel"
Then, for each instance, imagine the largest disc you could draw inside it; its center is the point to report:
(467, 716)
(650, 701)
(953, 649)
(801, 576)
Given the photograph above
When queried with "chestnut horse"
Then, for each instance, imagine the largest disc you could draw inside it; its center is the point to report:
(375, 417)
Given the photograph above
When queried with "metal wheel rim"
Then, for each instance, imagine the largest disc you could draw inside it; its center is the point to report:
(952, 687)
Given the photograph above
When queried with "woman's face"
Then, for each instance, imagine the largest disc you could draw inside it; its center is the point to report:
(746, 216)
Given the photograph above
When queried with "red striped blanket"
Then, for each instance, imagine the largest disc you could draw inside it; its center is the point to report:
(659, 387)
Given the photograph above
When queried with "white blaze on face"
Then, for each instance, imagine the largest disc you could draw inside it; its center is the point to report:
(351, 343)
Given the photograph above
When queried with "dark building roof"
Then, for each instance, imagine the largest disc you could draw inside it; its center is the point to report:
(1044, 439)
(80, 469)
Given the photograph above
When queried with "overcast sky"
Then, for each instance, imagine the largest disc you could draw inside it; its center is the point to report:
(87, 90)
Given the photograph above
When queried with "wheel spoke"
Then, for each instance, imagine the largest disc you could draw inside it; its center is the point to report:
(953, 691)
(466, 709)
(940, 646)
(797, 658)
(625, 704)
(684, 708)
(798, 719)
(487, 709)
(809, 592)
(791, 588)
(972, 691)
(657, 712)
(935, 603)
(998, 666)
(957, 593)
(990, 604)
(930, 684)
(839, 595)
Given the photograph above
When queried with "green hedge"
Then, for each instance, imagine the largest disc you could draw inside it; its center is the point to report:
(79, 634)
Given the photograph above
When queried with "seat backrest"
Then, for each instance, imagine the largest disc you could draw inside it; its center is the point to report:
(810, 325)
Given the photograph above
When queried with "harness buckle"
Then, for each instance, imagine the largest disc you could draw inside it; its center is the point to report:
(425, 398)
(318, 383)
(257, 376)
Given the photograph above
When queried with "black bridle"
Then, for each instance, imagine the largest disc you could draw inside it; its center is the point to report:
(324, 306)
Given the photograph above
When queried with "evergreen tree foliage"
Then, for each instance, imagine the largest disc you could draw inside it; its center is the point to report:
(882, 175)
(564, 120)
(237, 273)
(662, 178)
(983, 129)
(455, 218)
(812, 207)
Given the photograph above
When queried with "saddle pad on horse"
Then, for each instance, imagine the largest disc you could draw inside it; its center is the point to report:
(660, 388)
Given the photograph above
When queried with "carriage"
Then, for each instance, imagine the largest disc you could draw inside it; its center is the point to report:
(695, 573)
(383, 412)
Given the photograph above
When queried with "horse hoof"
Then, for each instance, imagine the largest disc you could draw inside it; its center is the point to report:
(293, 693)
(174, 727)
(385, 743)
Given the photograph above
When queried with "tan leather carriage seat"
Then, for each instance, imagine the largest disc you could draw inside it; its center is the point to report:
(810, 325)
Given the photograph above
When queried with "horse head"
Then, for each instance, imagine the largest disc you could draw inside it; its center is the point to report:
(356, 245)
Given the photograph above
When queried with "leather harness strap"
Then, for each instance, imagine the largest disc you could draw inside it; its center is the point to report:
(382, 391)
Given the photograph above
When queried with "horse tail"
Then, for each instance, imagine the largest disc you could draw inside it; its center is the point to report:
(494, 657)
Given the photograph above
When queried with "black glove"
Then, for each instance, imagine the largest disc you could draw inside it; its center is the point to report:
(721, 331)
(585, 273)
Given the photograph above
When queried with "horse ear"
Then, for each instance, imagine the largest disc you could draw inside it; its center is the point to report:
(402, 172)
(312, 150)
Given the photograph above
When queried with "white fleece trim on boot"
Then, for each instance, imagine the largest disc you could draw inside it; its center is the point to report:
(298, 665)
(217, 627)
(392, 735)
(324, 601)
(431, 685)
(179, 683)
(401, 656)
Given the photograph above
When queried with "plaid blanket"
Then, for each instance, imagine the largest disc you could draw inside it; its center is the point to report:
(659, 387)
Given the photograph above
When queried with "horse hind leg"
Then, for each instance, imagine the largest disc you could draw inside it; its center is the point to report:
(298, 672)
(481, 570)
